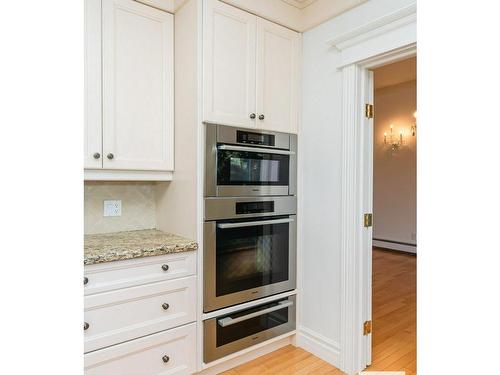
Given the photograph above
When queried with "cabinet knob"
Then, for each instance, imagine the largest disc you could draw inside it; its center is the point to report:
(85, 280)
(85, 326)
(110, 156)
(252, 115)
(165, 358)
(165, 306)
(165, 267)
(97, 155)
(261, 117)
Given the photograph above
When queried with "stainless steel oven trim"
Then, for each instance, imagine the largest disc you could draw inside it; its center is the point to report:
(253, 223)
(228, 321)
(210, 160)
(255, 149)
(292, 170)
(225, 208)
(251, 190)
(226, 134)
(211, 302)
(211, 352)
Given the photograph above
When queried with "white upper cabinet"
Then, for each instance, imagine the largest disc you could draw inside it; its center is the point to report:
(136, 81)
(137, 61)
(277, 77)
(92, 153)
(228, 65)
(250, 70)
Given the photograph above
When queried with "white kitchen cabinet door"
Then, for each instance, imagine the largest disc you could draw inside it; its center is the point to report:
(171, 352)
(228, 65)
(278, 56)
(92, 152)
(137, 84)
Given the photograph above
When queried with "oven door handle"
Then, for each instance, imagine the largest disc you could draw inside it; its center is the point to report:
(252, 223)
(224, 322)
(255, 149)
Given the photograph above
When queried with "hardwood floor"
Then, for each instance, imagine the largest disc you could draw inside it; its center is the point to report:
(394, 326)
(394, 312)
(286, 361)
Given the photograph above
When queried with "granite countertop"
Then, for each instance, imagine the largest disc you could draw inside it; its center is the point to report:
(108, 247)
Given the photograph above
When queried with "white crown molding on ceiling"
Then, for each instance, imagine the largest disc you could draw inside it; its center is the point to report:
(301, 4)
(399, 18)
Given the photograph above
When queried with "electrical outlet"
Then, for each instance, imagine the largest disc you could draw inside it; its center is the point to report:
(413, 236)
(113, 208)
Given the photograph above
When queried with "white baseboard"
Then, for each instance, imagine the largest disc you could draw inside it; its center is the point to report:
(319, 345)
(395, 246)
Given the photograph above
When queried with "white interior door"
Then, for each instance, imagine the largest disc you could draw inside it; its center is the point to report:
(368, 208)
(228, 65)
(138, 86)
(92, 149)
(278, 50)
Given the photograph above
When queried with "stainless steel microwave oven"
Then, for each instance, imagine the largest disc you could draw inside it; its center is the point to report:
(249, 162)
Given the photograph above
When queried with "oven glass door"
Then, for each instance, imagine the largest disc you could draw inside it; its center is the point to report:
(251, 254)
(252, 168)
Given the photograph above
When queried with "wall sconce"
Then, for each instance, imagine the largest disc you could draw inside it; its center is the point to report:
(393, 141)
(414, 126)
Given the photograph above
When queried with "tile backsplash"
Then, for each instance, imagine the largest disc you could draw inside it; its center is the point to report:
(138, 206)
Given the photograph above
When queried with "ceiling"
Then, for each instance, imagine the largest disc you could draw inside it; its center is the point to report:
(301, 4)
(395, 73)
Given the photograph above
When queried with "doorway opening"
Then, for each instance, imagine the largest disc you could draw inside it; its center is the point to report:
(394, 234)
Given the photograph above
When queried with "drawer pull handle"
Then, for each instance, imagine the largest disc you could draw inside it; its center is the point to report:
(85, 280)
(165, 267)
(165, 306)
(85, 326)
(165, 358)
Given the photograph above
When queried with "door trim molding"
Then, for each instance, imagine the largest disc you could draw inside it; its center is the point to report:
(355, 266)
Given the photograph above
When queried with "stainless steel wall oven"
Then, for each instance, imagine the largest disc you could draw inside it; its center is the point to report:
(243, 162)
(249, 249)
(236, 331)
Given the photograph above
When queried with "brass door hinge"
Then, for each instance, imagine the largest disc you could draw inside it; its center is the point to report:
(367, 327)
(369, 110)
(368, 220)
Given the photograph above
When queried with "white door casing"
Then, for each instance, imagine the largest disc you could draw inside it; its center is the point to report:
(278, 56)
(387, 39)
(137, 84)
(92, 149)
(367, 132)
(228, 65)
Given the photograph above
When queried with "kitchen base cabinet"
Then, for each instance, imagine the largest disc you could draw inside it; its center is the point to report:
(171, 352)
(128, 313)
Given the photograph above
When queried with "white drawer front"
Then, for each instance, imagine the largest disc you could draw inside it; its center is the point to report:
(125, 314)
(143, 356)
(104, 277)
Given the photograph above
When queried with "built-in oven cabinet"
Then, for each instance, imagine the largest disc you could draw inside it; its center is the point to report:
(248, 255)
(230, 333)
(250, 70)
(129, 91)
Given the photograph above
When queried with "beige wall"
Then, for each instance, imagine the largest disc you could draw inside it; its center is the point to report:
(138, 206)
(177, 201)
(394, 185)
